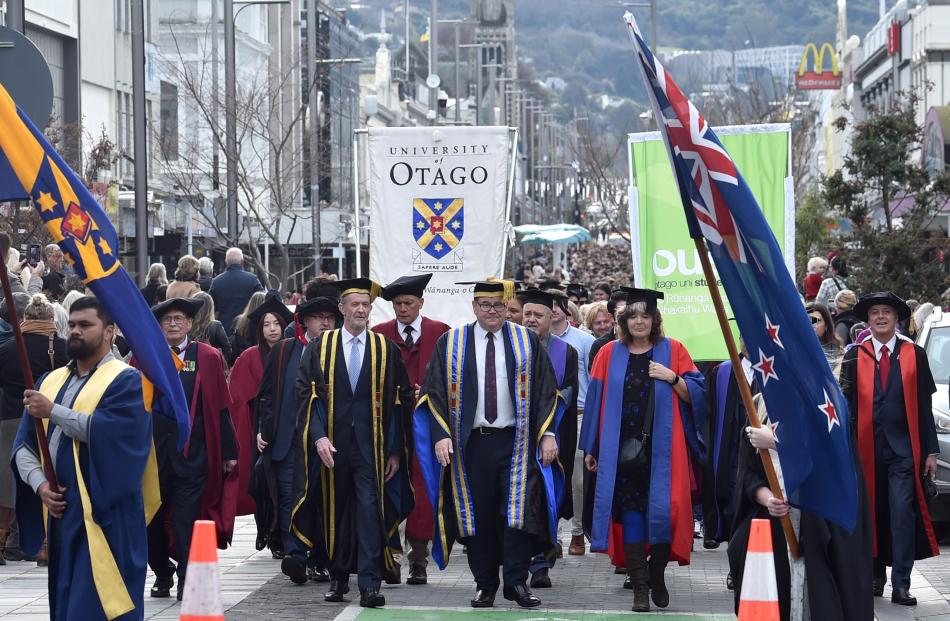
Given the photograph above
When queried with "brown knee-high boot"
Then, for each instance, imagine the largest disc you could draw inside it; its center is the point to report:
(636, 554)
(659, 556)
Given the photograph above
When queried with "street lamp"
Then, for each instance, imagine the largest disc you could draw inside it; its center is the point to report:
(457, 23)
(478, 80)
(652, 5)
(230, 105)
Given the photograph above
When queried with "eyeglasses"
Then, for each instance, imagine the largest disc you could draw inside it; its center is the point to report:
(498, 307)
(174, 319)
(814, 319)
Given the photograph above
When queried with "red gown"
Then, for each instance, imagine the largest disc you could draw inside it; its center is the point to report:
(244, 383)
(420, 522)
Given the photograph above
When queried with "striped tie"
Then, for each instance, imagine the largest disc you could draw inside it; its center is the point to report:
(491, 388)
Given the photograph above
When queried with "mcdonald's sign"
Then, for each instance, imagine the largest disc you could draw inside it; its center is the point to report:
(818, 78)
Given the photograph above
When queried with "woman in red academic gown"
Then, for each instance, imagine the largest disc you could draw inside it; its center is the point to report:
(269, 321)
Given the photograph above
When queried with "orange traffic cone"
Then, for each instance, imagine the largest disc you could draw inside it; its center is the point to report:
(201, 599)
(759, 598)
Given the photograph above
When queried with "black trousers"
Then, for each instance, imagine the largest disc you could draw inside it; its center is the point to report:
(284, 470)
(357, 496)
(488, 464)
(896, 474)
(183, 494)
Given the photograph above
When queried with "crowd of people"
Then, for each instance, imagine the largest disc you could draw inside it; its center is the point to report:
(564, 410)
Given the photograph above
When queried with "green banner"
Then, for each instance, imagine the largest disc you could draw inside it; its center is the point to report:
(664, 255)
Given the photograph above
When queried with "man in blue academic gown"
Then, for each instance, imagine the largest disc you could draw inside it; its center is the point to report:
(96, 419)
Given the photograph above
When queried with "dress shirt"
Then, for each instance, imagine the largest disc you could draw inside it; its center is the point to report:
(891, 344)
(748, 370)
(348, 346)
(181, 349)
(416, 328)
(66, 420)
(506, 407)
(581, 342)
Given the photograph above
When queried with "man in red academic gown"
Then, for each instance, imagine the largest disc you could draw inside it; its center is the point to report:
(200, 482)
(416, 336)
(888, 384)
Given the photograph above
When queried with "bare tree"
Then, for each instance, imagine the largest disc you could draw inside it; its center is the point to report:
(271, 115)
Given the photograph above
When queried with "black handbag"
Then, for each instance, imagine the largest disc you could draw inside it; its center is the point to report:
(929, 487)
(633, 451)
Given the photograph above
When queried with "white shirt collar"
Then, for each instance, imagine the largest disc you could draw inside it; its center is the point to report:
(349, 338)
(891, 344)
(480, 332)
(416, 327)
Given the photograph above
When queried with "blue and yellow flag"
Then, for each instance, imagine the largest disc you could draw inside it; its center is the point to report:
(30, 169)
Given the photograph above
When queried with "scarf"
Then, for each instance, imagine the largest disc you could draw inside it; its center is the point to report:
(44, 327)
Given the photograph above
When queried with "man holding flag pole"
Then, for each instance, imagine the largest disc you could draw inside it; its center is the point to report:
(31, 170)
(803, 399)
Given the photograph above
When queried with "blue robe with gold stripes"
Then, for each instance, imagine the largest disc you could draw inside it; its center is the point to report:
(446, 409)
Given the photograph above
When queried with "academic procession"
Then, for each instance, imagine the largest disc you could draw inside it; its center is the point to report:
(486, 422)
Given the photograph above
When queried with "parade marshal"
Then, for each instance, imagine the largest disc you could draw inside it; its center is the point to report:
(484, 428)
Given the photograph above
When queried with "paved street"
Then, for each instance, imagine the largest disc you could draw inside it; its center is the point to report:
(585, 589)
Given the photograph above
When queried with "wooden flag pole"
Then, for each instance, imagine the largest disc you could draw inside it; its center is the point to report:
(27, 376)
(744, 387)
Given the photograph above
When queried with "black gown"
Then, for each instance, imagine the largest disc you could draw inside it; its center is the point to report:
(632, 489)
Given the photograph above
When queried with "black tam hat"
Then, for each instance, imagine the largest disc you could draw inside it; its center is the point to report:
(407, 285)
(189, 306)
(647, 296)
(537, 296)
(272, 304)
(359, 285)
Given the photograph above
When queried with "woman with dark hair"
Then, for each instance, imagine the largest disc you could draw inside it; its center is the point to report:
(269, 321)
(206, 329)
(243, 336)
(185, 284)
(46, 351)
(824, 327)
(642, 416)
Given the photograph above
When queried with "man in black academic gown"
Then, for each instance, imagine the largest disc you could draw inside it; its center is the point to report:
(355, 395)
(199, 482)
(484, 436)
(536, 314)
(888, 384)
(278, 409)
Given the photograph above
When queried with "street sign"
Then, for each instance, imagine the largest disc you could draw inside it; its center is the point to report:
(26, 76)
(433, 81)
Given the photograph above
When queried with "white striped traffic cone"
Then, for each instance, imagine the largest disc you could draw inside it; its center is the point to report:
(201, 599)
(759, 599)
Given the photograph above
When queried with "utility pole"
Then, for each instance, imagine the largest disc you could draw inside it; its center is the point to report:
(230, 122)
(16, 15)
(139, 143)
(215, 125)
(314, 129)
(434, 59)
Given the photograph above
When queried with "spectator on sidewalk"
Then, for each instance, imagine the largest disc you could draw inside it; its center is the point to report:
(185, 284)
(232, 289)
(205, 273)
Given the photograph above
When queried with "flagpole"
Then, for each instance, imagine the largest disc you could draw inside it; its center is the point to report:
(27, 375)
(744, 389)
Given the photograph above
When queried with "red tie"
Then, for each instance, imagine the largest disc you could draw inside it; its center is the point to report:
(884, 366)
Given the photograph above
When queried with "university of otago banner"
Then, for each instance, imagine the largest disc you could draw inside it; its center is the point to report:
(437, 204)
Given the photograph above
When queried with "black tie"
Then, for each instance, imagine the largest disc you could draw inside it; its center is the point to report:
(491, 387)
(408, 340)
(176, 349)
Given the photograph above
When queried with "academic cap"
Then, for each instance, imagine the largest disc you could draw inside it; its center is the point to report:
(536, 296)
(493, 287)
(358, 285)
(188, 306)
(648, 296)
(272, 304)
(407, 285)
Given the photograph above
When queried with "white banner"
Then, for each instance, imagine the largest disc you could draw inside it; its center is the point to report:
(437, 204)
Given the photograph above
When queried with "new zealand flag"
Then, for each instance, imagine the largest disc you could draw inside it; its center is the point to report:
(800, 391)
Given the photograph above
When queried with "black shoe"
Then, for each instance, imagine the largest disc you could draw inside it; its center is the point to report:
(260, 542)
(730, 583)
(540, 579)
(628, 583)
(181, 588)
(277, 554)
(162, 587)
(417, 575)
(483, 599)
(902, 597)
(318, 575)
(293, 568)
(337, 590)
(371, 598)
(710, 544)
(522, 596)
(879, 586)
(392, 576)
